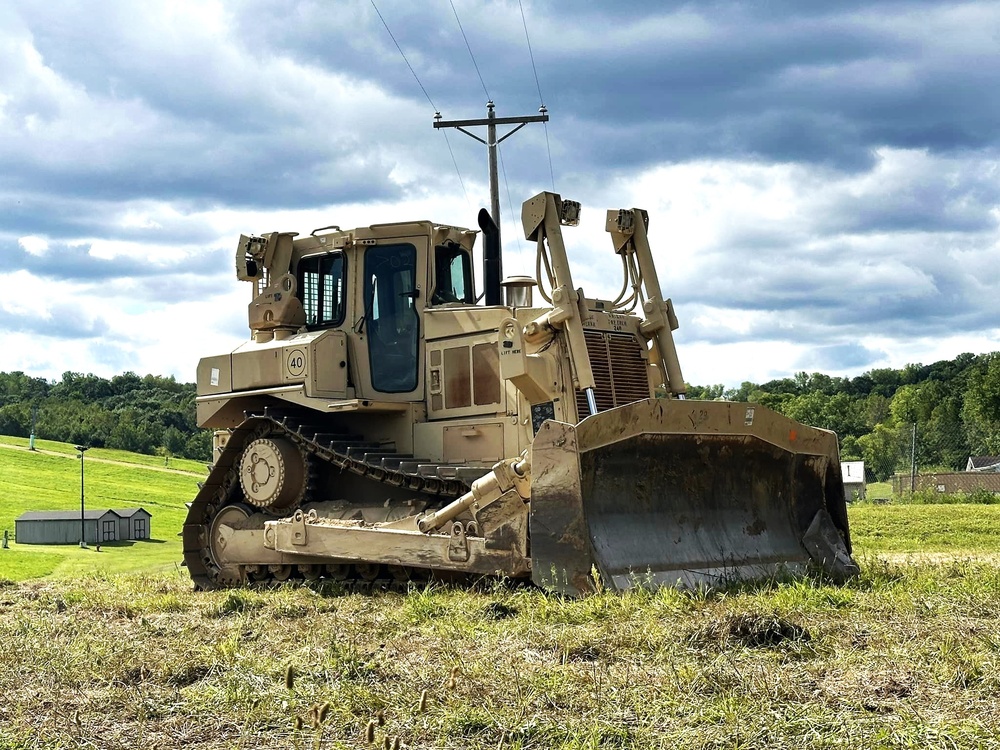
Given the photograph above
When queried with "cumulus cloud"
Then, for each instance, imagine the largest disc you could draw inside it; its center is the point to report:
(33, 245)
(821, 178)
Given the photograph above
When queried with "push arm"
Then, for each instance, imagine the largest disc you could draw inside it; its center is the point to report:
(628, 231)
(542, 217)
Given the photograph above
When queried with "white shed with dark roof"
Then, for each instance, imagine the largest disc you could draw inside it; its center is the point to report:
(63, 527)
(99, 526)
(133, 523)
(854, 479)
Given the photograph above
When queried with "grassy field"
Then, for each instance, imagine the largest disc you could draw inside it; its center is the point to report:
(957, 529)
(107, 454)
(905, 656)
(49, 479)
(878, 491)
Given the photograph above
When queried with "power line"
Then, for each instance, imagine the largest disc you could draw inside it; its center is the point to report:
(548, 150)
(454, 161)
(469, 47)
(403, 55)
(541, 101)
(538, 86)
(491, 142)
(416, 78)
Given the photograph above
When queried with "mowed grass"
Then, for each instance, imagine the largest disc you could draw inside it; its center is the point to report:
(110, 454)
(905, 656)
(960, 529)
(49, 479)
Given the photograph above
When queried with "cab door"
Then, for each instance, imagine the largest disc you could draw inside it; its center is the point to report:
(392, 284)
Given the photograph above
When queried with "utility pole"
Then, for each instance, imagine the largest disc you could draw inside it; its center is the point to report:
(83, 518)
(491, 121)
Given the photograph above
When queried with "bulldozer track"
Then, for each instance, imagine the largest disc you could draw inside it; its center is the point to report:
(320, 444)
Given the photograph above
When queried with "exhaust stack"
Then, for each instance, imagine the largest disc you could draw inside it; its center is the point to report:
(492, 261)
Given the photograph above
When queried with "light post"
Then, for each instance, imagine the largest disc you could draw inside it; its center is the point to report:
(83, 520)
(34, 418)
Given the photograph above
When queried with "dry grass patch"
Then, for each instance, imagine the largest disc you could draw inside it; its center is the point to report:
(906, 656)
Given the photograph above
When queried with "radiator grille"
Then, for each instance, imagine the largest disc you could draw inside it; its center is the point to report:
(620, 365)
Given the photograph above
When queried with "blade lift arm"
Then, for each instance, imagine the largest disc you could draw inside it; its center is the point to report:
(534, 374)
(628, 233)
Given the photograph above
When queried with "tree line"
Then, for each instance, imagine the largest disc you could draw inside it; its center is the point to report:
(952, 407)
(941, 413)
(149, 414)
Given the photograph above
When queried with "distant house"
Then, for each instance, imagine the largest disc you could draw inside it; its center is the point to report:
(854, 479)
(983, 463)
(99, 526)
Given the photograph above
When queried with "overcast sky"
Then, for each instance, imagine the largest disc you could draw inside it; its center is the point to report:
(822, 178)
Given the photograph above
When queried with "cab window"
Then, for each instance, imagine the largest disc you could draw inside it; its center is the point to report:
(452, 275)
(321, 289)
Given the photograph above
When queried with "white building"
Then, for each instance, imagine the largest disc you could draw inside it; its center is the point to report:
(854, 479)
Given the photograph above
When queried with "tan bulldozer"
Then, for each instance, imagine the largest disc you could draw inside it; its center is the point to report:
(384, 424)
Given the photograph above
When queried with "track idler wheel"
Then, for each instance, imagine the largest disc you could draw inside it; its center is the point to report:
(218, 538)
(273, 473)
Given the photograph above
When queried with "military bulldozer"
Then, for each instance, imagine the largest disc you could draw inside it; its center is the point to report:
(385, 424)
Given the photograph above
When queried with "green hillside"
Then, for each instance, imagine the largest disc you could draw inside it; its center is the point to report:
(49, 479)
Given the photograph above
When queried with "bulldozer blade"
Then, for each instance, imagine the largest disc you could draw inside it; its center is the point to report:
(668, 492)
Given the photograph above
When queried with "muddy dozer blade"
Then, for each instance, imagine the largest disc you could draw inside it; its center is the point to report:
(684, 493)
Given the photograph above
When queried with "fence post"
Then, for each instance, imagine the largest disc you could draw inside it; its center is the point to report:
(913, 459)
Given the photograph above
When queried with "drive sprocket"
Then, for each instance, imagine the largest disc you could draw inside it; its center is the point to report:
(273, 474)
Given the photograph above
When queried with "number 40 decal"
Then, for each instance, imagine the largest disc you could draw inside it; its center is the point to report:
(295, 363)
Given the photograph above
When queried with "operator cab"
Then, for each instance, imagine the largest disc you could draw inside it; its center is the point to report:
(370, 292)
